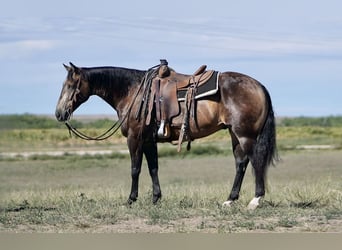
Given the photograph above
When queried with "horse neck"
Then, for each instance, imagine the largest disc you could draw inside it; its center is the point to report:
(114, 85)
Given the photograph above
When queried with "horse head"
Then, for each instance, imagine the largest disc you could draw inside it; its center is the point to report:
(75, 91)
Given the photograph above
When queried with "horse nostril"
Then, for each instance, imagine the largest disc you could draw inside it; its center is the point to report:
(58, 115)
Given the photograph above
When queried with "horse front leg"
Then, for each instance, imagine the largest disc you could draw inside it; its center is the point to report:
(136, 153)
(151, 153)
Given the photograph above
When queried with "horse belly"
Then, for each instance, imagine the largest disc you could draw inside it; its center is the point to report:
(203, 122)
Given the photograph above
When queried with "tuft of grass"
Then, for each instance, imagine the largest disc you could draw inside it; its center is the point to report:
(196, 150)
(287, 221)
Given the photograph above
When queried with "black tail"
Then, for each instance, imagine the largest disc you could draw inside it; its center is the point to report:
(265, 150)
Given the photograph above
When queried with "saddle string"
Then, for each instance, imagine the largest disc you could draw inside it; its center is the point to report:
(112, 130)
(146, 82)
(190, 110)
(143, 110)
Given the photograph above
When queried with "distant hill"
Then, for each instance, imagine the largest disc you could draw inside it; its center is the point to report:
(86, 118)
(30, 121)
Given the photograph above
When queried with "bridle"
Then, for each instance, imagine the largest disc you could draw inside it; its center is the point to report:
(115, 127)
(72, 130)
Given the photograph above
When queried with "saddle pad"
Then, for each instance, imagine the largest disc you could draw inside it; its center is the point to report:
(206, 89)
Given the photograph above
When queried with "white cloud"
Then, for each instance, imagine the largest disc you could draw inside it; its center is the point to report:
(32, 45)
(216, 37)
(25, 48)
(212, 36)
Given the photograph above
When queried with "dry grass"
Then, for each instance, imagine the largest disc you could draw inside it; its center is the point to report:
(87, 194)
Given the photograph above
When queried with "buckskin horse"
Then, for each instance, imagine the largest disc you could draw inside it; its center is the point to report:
(241, 105)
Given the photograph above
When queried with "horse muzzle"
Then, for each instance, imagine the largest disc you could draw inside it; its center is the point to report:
(62, 115)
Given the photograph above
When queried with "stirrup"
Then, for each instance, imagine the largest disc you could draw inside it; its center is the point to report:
(164, 130)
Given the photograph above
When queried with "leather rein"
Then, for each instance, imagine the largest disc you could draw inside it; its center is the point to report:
(113, 129)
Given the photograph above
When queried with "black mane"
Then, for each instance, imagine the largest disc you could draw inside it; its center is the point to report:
(116, 79)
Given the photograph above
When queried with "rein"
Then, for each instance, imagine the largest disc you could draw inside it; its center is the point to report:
(102, 137)
(112, 130)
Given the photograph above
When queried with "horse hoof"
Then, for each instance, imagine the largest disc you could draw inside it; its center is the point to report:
(156, 199)
(227, 203)
(130, 201)
(255, 202)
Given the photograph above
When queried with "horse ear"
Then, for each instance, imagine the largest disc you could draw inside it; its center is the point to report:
(74, 68)
(67, 67)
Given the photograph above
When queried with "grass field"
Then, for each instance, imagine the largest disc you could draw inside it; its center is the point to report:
(73, 193)
(43, 192)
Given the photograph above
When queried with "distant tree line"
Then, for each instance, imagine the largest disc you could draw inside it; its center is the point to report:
(29, 121)
(327, 121)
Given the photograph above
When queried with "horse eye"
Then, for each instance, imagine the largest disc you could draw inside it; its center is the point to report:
(69, 84)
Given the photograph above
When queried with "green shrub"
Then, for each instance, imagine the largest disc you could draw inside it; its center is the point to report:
(329, 121)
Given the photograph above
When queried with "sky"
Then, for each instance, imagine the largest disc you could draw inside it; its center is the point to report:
(292, 47)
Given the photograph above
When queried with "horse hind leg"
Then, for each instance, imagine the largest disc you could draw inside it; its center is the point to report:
(260, 169)
(241, 162)
(263, 154)
(245, 152)
(256, 155)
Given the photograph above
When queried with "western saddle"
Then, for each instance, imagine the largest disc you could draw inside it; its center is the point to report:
(163, 98)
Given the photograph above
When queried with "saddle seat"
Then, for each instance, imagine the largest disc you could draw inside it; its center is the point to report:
(169, 88)
(169, 76)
